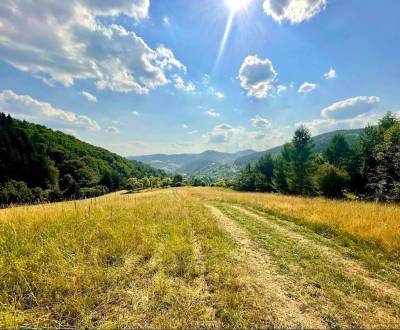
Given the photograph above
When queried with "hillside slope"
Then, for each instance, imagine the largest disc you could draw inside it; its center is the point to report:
(42, 157)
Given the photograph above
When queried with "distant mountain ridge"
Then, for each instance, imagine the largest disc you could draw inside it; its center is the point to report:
(215, 164)
(320, 143)
(192, 164)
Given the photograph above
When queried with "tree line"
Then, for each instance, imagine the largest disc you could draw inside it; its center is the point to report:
(152, 182)
(369, 170)
(38, 164)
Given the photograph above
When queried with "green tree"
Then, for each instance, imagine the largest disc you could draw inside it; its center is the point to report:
(385, 178)
(338, 151)
(264, 169)
(132, 184)
(246, 179)
(281, 169)
(177, 180)
(145, 182)
(298, 175)
(330, 181)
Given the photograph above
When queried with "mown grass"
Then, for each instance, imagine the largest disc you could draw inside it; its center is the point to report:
(332, 291)
(377, 223)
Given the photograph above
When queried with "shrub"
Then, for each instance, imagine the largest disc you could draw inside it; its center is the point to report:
(331, 181)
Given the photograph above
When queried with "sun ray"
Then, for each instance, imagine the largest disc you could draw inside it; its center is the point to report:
(224, 39)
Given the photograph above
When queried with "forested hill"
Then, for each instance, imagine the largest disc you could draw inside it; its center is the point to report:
(57, 162)
(218, 165)
(320, 143)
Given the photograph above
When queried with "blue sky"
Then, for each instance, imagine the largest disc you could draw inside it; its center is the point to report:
(145, 76)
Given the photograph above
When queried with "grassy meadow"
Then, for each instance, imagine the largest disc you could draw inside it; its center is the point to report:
(200, 257)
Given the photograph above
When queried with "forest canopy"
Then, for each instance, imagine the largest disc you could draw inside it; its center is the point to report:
(37, 163)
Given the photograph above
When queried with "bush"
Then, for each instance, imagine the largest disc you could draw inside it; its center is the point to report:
(16, 192)
(331, 181)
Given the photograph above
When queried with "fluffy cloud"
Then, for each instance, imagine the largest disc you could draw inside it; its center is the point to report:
(25, 107)
(260, 122)
(212, 113)
(350, 113)
(294, 11)
(64, 42)
(135, 114)
(223, 133)
(351, 108)
(257, 76)
(281, 88)
(180, 84)
(226, 137)
(318, 126)
(307, 87)
(90, 97)
(112, 129)
(331, 74)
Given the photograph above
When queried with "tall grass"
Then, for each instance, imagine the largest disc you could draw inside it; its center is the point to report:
(153, 260)
(377, 223)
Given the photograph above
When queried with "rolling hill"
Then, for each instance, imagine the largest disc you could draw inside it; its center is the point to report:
(43, 158)
(216, 165)
(203, 164)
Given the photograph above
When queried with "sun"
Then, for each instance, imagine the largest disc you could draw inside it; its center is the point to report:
(237, 5)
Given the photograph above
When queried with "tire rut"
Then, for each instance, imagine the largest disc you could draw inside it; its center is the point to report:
(353, 268)
(287, 311)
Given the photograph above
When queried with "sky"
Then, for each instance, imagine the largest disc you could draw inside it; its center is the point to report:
(175, 76)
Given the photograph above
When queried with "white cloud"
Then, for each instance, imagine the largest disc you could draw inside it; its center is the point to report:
(90, 97)
(26, 107)
(294, 11)
(223, 133)
(225, 137)
(307, 87)
(193, 132)
(64, 42)
(281, 88)
(318, 126)
(331, 74)
(219, 95)
(210, 89)
(352, 107)
(180, 84)
(355, 112)
(184, 126)
(212, 113)
(135, 114)
(260, 122)
(112, 130)
(257, 76)
(223, 127)
(166, 20)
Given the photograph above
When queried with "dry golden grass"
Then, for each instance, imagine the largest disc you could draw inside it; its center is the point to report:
(374, 222)
(161, 259)
(148, 260)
